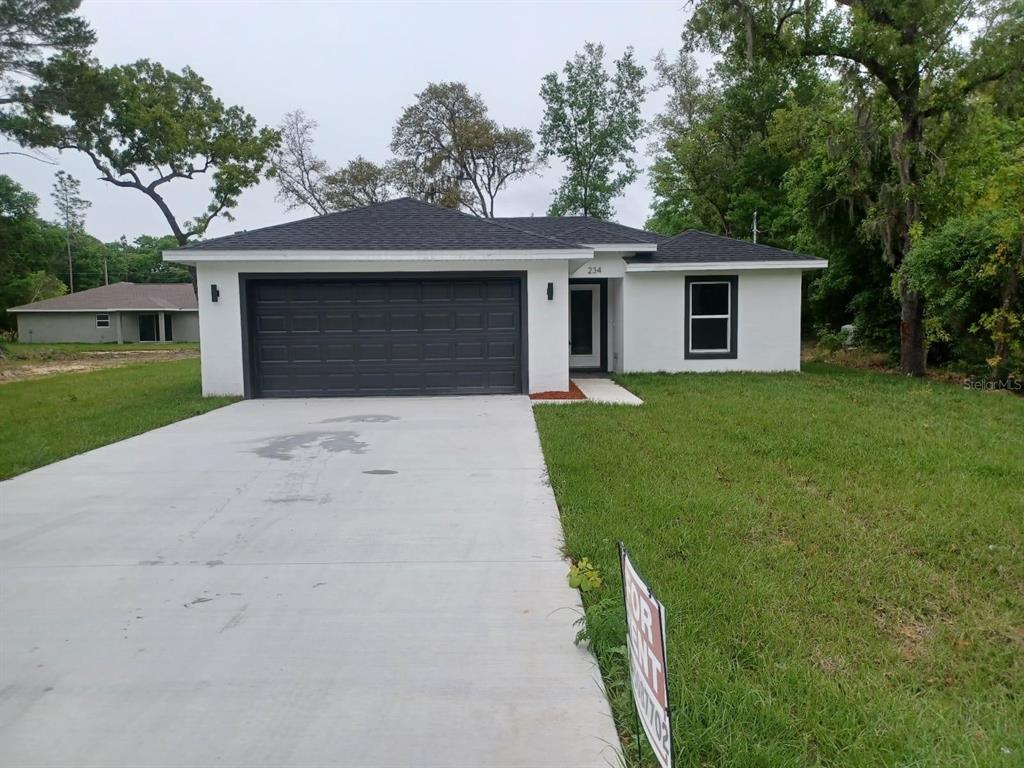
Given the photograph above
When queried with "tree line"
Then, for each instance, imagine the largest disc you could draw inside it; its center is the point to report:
(34, 263)
(885, 137)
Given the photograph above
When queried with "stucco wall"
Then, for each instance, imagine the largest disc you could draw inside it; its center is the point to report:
(80, 327)
(185, 326)
(615, 325)
(53, 327)
(768, 322)
(220, 327)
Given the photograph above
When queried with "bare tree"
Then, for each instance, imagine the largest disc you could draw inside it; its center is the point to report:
(305, 179)
(299, 173)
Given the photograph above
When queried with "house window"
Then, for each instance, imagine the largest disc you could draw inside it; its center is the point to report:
(711, 317)
(102, 321)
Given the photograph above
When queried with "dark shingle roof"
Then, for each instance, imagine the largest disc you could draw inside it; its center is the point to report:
(141, 296)
(405, 224)
(695, 247)
(583, 229)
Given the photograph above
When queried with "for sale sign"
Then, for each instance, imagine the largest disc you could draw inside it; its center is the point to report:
(645, 620)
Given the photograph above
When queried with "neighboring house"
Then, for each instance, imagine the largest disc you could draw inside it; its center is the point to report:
(407, 298)
(113, 313)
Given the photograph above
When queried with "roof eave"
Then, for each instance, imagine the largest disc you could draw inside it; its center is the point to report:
(725, 266)
(622, 247)
(80, 310)
(199, 255)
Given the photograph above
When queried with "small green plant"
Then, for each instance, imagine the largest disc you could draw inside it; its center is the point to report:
(584, 576)
(829, 340)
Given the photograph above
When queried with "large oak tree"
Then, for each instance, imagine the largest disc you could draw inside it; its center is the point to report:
(143, 127)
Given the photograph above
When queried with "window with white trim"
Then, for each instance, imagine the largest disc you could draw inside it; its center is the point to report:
(711, 317)
(102, 321)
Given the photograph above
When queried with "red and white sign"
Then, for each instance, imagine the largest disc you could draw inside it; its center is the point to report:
(645, 620)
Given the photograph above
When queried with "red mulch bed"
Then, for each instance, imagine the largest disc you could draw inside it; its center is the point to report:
(574, 393)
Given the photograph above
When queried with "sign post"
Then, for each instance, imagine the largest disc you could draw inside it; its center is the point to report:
(648, 672)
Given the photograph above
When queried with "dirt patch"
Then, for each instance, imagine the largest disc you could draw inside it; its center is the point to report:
(19, 370)
(573, 393)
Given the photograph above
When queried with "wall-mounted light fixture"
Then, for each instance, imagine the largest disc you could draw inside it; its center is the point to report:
(551, 291)
(214, 293)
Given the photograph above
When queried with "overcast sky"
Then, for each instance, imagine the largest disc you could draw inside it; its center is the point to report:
(353, 67)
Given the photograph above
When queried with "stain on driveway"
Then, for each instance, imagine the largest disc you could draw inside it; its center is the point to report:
(285, 447)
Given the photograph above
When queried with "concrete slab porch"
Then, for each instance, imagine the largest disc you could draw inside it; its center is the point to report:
(598, 389)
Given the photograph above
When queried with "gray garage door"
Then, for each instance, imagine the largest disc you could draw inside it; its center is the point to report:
(393, 336)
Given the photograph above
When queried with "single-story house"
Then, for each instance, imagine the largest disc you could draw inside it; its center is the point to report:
(113, 313)
(403, 297)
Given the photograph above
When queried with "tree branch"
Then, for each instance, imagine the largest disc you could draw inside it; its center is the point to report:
(871, 64)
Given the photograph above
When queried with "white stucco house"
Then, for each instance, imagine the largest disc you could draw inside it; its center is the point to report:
(404, 297)
(120, 312)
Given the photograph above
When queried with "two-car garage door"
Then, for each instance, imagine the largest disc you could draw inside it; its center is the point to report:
(385, 336)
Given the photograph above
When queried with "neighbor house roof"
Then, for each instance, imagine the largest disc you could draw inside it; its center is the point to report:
(405, 224)
(120, 296)
(583, 229)
(696, 247)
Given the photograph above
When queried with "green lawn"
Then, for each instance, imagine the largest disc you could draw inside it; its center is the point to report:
(841, 555)
(53, 417)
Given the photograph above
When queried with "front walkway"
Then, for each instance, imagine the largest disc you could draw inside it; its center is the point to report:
(600, 389)
(365, 582)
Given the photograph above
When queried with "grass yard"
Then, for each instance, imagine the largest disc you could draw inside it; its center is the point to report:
(53, 417)
(841, 555)
(29, 361)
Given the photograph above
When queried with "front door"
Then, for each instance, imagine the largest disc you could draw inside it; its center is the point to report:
(585, 326)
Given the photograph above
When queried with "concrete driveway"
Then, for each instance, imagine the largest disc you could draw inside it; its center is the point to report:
(367, 582)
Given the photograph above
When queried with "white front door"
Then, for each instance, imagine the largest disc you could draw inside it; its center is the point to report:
(585, 326)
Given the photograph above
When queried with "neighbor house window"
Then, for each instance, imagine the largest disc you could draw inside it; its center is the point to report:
(711, 317)
(102, 321)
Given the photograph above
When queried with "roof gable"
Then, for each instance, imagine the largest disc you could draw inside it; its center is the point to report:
(696, 247)
(405, 224)
(127, 296)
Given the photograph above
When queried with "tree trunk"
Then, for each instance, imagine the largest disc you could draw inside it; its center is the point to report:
(913, 351)
(1002, 330)
(182, 239)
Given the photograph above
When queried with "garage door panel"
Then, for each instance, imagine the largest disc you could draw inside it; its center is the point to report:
(268, 323)
(405, 321)
(502, 350)
(403, 291)
(470, 350)
(469, 321)
(372, 321)
(337, 293)
(338, 322)
(336, 337)
(406, 351)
